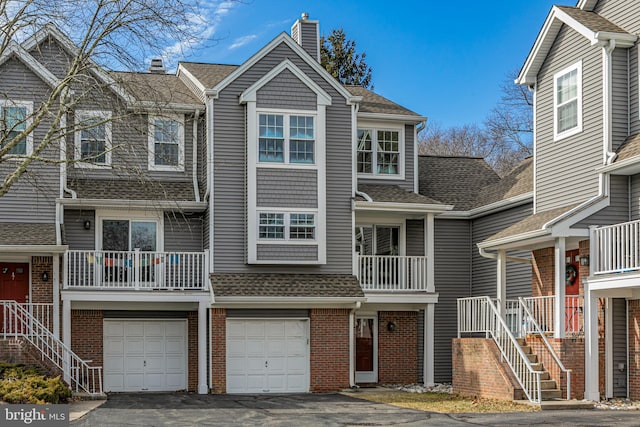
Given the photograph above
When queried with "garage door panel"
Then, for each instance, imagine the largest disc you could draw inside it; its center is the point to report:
(275, 329)
(235, 329)
(134, 329)
(236, 347)
(174, 345)
(297, 383)
(255, 329)
(133, 382)
(296, 347)
(174, 365)
(296, 329)
(254, 347)
(133, 346)
(113, 346)
(113, 329)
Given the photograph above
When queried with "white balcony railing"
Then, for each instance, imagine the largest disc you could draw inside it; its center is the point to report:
(542, 310)
(136, 270)
(392, 273)
(616, 248)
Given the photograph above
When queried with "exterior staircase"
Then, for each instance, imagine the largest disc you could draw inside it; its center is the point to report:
(549, 387)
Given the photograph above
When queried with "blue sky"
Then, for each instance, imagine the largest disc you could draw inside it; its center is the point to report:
(442, 59)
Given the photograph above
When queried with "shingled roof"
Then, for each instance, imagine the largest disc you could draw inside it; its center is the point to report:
(629, 148)
(208, 74)
(455, 180)
(157, 88)
(13, 233)
(517, 182)
(115, 189)
(374, 103)
(286, 285)
(393, 194)
(591, 20)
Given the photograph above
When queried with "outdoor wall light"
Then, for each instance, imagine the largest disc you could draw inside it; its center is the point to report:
(391, 326)
(584, 260)
(87, 225)
(45, 276)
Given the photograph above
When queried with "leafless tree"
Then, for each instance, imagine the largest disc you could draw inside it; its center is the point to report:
(105, 34)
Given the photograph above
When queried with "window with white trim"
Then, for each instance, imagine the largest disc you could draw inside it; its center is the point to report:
(286, 226)
(93, 138)
(379, 151)
(567, 100)
(286, 138)
(15, 118)
(166, 143)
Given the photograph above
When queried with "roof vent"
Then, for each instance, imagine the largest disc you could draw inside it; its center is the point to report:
(157, 67)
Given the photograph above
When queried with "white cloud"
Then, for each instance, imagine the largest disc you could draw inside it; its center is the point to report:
(241, 41)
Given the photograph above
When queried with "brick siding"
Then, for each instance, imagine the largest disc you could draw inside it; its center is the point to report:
(329, 349)
(398, 350)
(634, 349)
(41, 291)
(192, 351)
(219, 346)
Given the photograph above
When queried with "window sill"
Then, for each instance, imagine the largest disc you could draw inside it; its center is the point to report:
(84, 165)
(397, 177)
(166, 168)
(567, 133)
(300, 242)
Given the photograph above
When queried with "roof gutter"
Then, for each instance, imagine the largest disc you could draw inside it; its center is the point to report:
(56, 249)
(498, 206)
(138, 204)
(493, 255)
(403, 207)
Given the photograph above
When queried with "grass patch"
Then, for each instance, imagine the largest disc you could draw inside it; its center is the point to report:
(20, 384)
(444, 402)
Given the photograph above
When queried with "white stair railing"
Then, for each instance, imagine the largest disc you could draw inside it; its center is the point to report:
(19, 323)
(480, 315)
(533, 327)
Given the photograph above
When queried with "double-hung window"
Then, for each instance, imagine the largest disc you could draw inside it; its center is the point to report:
(166, 143)
(15, 117)
(286, 138)
(567, 98)
(379, 152)
(286, 226)
(93, 138)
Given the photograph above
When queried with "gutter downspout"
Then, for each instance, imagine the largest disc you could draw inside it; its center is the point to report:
(194, 163)
(211, 95)
(607, 132)
(417, 129)
(352, 325)
(364, 196)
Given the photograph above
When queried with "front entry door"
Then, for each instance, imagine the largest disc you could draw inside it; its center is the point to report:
(366, 338)
(14, 281)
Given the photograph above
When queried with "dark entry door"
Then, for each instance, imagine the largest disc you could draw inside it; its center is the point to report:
(14, 281)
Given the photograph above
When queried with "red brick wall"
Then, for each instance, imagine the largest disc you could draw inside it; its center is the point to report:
(86, 335)
(219, 346)
(19, 351)
(478, 370)
(571, 353)
(543, 272)
(41, 292)
(398, 350)
(192, 351)
(583, 270)
(634, 349)
(329, 349)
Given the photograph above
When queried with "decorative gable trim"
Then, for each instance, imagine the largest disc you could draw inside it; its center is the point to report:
(588, 5)
(27, 59)
(250, 94)
(284, 38)
(65, 42)
(182, 70)
(557, 17)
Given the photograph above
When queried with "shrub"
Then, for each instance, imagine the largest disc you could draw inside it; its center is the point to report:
(21, 384)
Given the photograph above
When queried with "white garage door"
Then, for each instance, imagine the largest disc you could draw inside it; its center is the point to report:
(267, 356)
(145, 355)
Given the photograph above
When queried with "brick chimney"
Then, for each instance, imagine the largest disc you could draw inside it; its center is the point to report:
(157, 67)
(305, 32)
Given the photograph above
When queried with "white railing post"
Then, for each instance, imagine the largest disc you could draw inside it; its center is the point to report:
(137, 268)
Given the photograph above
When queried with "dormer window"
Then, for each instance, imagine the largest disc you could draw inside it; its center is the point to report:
(567, 98)
(166, 143)
(379, 152)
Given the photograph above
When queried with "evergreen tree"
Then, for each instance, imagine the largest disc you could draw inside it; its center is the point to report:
(338, 55)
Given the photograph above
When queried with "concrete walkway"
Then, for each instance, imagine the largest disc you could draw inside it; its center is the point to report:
(184, 409)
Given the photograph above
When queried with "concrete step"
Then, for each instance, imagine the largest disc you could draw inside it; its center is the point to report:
(521, 341)
(538, 366)
(559, 404)
(533, 358)
(526, 349)
(551, 394)
(548, 384)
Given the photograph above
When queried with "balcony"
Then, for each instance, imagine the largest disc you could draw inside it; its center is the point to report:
(616, 248)
(392, 273)
(136, 270)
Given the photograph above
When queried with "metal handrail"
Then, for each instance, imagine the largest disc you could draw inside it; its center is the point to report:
(19, 323)
(538, 330)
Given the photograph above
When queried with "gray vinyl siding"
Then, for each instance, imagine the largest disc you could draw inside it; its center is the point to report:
(618, 209)
(570, 162)
(182, 233)
(619, 98)
(484, 270)
(230, 174)
(415, 237)
(634, 95)
(205, 230)
(452, 280)
(293, 188)
(286, 91)
(634, 182)
(623, 13)
(32, 198)
(130, 155)
(74, 233)
(284, 253)
(619, 327)
(310, 36)
(50, 54)
(409, 167)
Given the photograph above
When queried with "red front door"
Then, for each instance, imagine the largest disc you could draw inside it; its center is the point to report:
(14, 281)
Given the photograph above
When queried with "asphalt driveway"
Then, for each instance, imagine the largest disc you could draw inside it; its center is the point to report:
(182, 409)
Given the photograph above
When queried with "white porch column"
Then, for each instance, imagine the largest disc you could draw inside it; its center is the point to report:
(429, 349)
(591, 391)
(66, 335)
(56, 296)
(429, 252)
(202, 347)
(501, 283)
(559, 285)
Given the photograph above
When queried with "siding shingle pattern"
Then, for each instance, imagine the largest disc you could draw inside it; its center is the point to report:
(285, 285)
(12, 233)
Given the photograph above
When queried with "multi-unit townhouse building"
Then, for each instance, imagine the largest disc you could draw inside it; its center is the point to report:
(581, 314)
